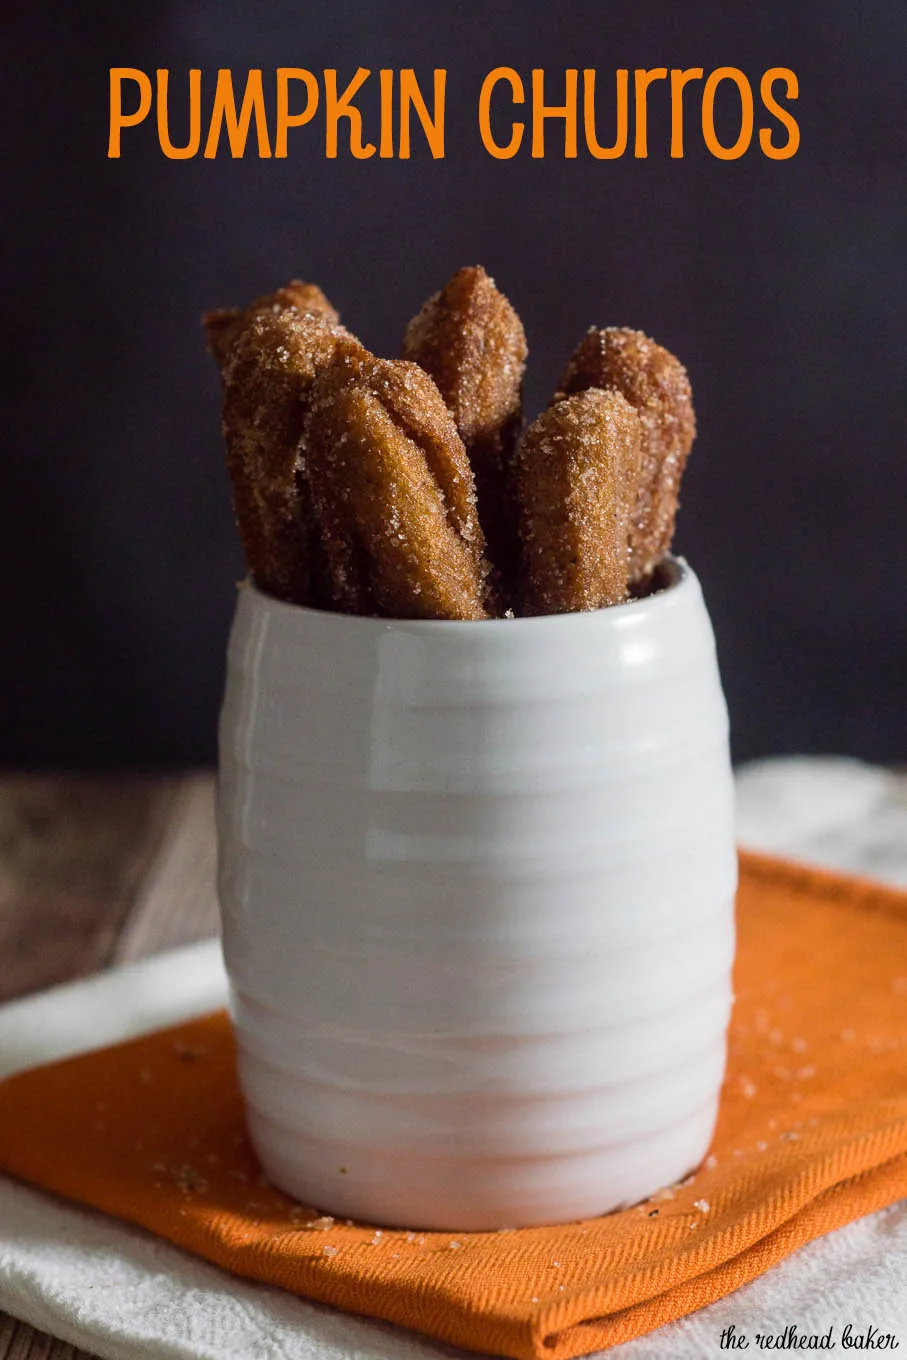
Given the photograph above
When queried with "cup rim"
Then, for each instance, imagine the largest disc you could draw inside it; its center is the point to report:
(681, 579)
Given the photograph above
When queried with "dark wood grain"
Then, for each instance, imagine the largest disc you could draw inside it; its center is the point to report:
(95, 871)
(18, 1341)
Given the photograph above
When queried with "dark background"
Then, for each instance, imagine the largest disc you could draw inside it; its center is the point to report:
(780, 284)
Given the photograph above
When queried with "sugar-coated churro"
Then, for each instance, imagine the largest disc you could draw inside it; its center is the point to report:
(268, 380)
(577, 468)
(224, 325)
(657, 386)
(401, 488)
(471, 341)
(393, 491)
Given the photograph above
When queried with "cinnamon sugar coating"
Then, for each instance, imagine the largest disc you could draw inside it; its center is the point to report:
(471, 341)
(577, 470)
(224, 325)
(393, 492)
(268, 382)
(657, 386)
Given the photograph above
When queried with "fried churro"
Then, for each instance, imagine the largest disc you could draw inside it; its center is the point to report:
(657, 386)
(577, 470)
(471, 341)
(394, 492)
(224, 325)
(268, 381)
(372, 486)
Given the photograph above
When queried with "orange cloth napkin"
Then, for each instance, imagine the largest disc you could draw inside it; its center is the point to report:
(812, 1134)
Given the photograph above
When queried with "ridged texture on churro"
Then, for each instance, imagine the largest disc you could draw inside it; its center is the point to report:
(267, 385)
(471, 341)
(224, 325)
(657, 386)
(394, 493)
(577, 470)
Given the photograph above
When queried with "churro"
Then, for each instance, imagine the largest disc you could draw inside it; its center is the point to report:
(471, 341)
(657, 386)
(577, 471)
(373, 486)
(268, 380)
(224, 325)
(393, 491)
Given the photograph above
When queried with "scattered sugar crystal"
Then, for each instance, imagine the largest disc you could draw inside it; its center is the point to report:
(702, 1205)
(329, 1250)
(187, 1179)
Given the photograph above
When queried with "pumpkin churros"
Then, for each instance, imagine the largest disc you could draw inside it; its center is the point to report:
(402, 488)
(656, 384)
(471, 341)
(576, 476)
(267, 383)
(223, 326)
(394, 493)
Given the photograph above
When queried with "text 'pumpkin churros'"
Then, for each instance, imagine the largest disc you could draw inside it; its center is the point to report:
(403, 488)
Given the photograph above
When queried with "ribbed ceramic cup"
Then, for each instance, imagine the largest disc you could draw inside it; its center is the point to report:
(477, 887)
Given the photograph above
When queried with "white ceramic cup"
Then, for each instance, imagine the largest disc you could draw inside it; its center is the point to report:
(477, 886)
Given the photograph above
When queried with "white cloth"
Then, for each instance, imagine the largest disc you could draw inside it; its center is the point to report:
(126, 1295)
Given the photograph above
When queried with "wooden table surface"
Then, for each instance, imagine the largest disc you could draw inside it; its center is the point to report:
(97, 871)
